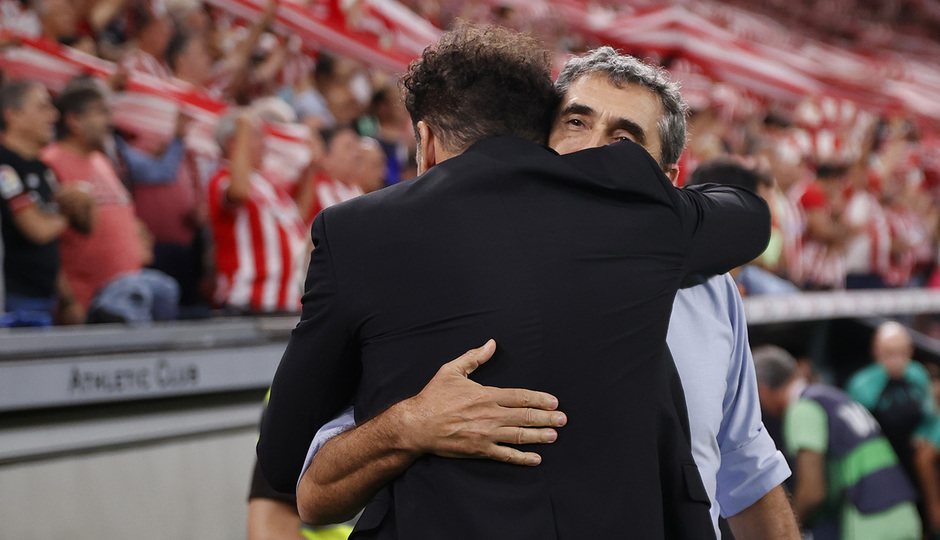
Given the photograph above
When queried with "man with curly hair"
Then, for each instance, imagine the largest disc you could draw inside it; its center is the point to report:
(570, 262)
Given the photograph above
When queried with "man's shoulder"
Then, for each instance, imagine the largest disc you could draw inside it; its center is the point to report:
(52, 152)
(371, 205)
(9, 157)
(872, 375)
(916, 373)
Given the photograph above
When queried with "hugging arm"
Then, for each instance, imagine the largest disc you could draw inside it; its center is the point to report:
(452, 416)
(317, 376)
(729, 226)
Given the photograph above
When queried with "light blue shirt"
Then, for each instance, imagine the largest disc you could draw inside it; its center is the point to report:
(146, 169)
(735, 455)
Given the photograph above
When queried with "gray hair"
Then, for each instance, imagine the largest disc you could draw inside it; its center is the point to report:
(13, 97)
(623, 69)
(774, 366)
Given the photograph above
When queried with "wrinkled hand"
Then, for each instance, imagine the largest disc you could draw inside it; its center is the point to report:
(78, 207)
(456, 417)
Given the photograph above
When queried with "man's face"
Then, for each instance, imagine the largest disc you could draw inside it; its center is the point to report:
(594, 112)
(343, 155)
(36, 120)
(195, 60)
(58, 17)
(893, 351)
(94, 125)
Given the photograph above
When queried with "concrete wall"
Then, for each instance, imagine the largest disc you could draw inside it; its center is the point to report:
(177, 489)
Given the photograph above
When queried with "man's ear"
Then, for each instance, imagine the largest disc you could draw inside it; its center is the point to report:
(672, 172)
(427, 156)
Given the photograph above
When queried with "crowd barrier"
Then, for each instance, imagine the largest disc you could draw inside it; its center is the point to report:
(125, 385)
(111, 432)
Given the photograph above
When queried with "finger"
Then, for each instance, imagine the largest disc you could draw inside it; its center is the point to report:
(521, 397)
(521, 435)
(469, 361)
(527, 417)
(513, 456)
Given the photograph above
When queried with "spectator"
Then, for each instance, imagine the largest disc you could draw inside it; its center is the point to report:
(154, 33)
(337, 92)
(306, 96)
(911, 222)
(116, 250)
(897, 390)
(166, 191)
(230, 74)
(371, 165)
(259, 236)
(3, 290)
(789, 176)
(823, 253)
(35, 211)
(847, 481)
(59, 20)
(188, 58)
(869, 244)
(337, 180)
(392, 129)
(751, 278)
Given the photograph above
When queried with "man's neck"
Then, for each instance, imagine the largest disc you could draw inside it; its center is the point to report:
(74, 144)
(22, 146)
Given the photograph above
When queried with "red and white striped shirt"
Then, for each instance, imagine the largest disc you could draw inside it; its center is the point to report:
(869, 250)
(329, 192)
(788, 216)
(907, 227)
(821, 266)
(259, 247)
(138, 61)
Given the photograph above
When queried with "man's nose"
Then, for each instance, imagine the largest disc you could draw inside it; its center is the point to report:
(597, 138)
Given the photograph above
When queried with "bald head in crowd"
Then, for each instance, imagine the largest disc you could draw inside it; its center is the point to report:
(892, 348)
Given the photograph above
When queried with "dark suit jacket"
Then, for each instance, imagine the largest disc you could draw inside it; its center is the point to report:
(571, 263)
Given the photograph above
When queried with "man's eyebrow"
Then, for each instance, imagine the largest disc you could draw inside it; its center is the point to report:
(625, 124)
(630, 127)
(577, 108)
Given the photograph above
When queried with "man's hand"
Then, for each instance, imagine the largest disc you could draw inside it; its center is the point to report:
(456, 417)
(452, 416)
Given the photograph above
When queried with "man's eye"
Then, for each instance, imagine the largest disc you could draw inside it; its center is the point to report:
(623, 138)
(575, 122)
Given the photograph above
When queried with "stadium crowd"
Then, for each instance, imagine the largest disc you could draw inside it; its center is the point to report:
(100, 225)
(854, 194)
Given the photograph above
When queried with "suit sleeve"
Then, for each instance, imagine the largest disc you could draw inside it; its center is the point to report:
(723, 226)
(728, 226)
(317, 375)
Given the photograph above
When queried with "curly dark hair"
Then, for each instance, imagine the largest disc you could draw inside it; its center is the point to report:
(480, 82)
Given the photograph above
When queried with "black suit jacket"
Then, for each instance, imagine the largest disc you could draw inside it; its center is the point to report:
(571, 263)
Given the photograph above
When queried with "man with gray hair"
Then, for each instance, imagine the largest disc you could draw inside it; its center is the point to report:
(608, 97)
(35, 210)
(848, 483)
